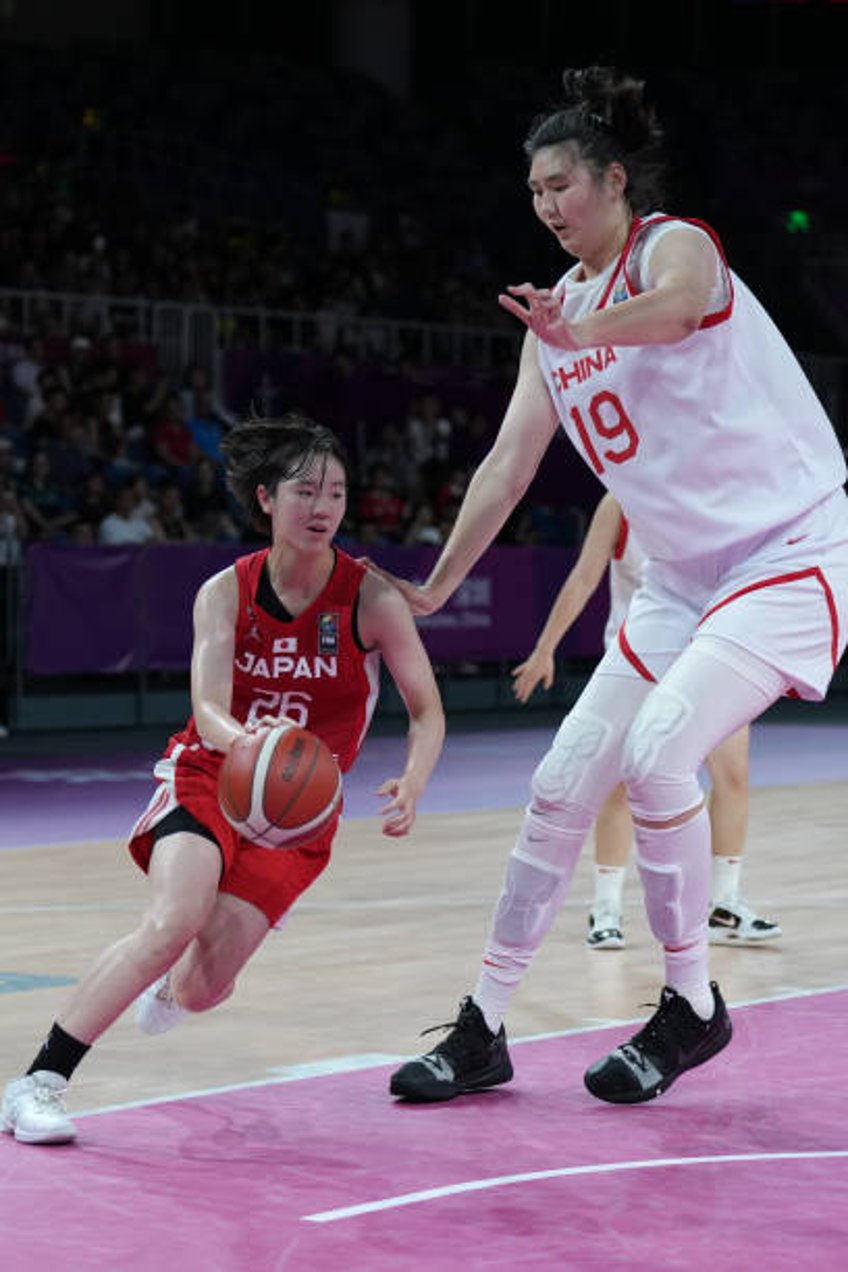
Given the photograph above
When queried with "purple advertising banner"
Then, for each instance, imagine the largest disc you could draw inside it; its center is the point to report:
(112, 610)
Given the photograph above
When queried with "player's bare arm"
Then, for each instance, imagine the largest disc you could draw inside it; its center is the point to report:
(684, 268)
(215, 612)
(581, 584)
(386, 623)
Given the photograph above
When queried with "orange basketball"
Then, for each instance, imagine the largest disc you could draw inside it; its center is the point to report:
(279, 787)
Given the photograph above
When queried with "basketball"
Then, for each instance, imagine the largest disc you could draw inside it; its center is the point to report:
(279, 787)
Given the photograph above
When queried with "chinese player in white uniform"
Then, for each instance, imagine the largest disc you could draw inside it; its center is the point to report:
(676, 387)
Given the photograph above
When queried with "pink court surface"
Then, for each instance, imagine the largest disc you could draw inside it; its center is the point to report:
(745, 1167)
(744, 1163)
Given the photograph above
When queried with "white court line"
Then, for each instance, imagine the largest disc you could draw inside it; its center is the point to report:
(347, 1064)
(533, 1176)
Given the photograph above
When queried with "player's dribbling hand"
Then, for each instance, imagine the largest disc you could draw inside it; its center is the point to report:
(542, 315)
(267, 722)
(399, 814)
(526, 675)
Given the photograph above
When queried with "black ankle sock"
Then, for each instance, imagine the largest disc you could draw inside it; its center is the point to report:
(60, 1053)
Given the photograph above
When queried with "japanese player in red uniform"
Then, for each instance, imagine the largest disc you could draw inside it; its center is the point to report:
(291, 632)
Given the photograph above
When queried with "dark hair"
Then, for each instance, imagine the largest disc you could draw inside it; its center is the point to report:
(605, 116)
(260, 452)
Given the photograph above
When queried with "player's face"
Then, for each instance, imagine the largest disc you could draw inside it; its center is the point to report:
(585, 212)
(307, 510)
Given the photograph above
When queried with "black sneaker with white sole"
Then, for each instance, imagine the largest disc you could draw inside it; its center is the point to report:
(471, 1058)
(673, 1040)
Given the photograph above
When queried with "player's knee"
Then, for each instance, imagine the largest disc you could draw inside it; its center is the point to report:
(652, 743)
(166, 933)
(576, 749)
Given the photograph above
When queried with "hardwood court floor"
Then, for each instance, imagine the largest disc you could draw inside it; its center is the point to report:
(390, 938)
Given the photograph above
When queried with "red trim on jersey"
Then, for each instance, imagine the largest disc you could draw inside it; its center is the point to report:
(633, 658)
(621, 542)
(711, 320)
(813, 572)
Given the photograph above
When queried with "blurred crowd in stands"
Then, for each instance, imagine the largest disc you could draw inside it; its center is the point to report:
(265, 184)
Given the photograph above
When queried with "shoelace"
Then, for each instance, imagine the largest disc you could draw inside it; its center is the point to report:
(453, 1046)
(47, 1098)
(652, 1036)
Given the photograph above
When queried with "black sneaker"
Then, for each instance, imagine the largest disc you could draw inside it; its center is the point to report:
(470, 1059)
(673, 1040)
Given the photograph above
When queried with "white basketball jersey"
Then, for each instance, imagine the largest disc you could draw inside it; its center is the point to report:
(707, 443)
(626, 568)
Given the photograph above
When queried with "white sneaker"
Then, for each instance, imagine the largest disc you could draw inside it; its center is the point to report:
(605, 931)
(156, 1010)
(33, 1109)
(735, 923)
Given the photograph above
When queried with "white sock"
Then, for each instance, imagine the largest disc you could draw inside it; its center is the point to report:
(726, 876)
(609, 886)
(687, 972)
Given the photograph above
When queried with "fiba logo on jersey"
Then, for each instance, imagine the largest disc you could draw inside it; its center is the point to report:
(328, 633)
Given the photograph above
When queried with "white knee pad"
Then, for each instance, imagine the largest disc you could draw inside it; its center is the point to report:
(581, 750)
(660, 783)
(650, 741)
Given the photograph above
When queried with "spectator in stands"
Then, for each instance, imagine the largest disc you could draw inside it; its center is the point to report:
(198, 396)
(46, 506)
(122, 526)
(23, 376)
(382, 506)
(206, 426)
(45, 426)
(171, 442)
(93, 505)
(171, 514)
(209, 511)
(13, 524)
(424, 528)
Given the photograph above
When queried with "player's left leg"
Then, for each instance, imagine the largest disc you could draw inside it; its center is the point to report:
(613, 839)
(711, 691)
(732, 920)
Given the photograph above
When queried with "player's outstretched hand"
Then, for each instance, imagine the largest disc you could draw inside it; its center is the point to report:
(399, 813)
(526, 676)
(419, 598)
(542, 314)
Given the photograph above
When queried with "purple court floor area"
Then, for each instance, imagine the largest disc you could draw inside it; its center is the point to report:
(742, 1164)
(55, 797)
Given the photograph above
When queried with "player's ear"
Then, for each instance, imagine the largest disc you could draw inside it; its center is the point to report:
(616, 175)
(263, 498)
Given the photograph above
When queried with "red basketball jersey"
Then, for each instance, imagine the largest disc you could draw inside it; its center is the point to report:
(310, 668)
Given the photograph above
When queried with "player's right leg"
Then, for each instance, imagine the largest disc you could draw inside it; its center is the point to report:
(183, 874)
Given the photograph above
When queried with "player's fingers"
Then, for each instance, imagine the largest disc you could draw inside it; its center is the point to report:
(513, 307)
